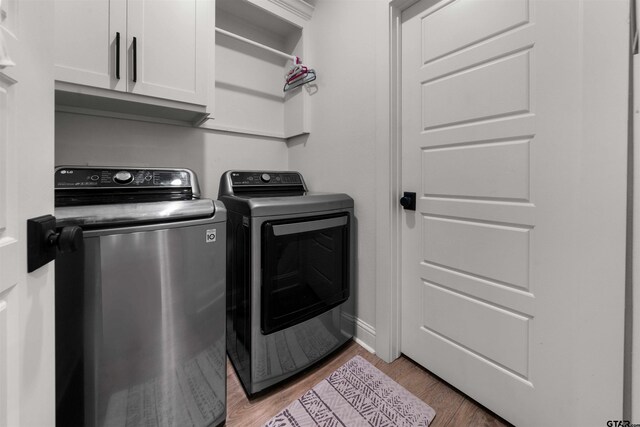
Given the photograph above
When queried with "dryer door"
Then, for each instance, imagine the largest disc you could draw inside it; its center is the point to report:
(305, 269)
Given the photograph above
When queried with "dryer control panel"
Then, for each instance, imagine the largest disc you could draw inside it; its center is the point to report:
(261, 184)
(265, 178)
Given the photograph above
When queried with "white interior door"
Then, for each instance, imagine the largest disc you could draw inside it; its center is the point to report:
(514, 124)
(26, 190)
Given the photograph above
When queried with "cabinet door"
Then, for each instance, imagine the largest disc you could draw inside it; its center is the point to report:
(171, 54)
(86, 50)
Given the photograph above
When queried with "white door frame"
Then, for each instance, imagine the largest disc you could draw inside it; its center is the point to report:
(389, 167)
(388, 222)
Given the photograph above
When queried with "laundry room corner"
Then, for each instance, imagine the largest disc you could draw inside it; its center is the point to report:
(312, 212)
(348, 118)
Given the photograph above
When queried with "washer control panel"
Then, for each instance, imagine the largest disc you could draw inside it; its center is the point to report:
(75, 177)
(265, 178)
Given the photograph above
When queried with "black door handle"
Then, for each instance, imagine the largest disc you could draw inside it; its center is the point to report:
(69, 239)
(408, 201)
(43, 241)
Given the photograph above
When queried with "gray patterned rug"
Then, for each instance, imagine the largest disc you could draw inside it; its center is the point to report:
(356, 394)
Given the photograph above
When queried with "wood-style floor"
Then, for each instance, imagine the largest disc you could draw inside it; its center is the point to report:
(452, 407)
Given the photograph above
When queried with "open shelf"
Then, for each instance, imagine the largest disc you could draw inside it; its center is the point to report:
(249, 79)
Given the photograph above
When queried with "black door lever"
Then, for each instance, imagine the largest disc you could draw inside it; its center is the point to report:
(43, 241)
(408, 201)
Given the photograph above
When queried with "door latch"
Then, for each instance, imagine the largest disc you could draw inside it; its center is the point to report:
(408, 201)
(43, 241)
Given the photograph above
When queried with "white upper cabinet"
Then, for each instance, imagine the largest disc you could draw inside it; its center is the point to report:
(156, 48)
(171, 48)
(86, 42)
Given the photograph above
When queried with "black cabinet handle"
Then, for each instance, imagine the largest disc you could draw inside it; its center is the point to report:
(118, 56)
(134, 47)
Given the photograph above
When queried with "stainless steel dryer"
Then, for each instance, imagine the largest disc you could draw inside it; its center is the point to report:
(290, 274)
(140, 337)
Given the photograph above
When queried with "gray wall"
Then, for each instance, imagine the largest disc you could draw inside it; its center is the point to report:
(89, 140)
(339, 155)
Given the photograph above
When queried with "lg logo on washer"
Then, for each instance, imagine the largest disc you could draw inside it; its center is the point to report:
(210, 236)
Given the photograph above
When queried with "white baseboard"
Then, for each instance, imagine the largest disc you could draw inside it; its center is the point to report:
(365, 334)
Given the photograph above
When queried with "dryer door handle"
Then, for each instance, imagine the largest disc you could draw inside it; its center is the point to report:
(303, 227)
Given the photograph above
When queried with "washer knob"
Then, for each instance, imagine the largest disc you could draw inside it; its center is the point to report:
(123, 177)
(265, 177)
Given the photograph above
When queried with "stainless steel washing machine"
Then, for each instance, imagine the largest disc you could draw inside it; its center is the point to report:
(290, 274)
(140, 335)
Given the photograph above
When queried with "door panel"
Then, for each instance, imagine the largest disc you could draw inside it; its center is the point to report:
(9, 247)
(520, 213)
(9, 232)
(462, 245)
(27, 394)
(499, 88)
(498, 17)
(501, 171)
(498, 335)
